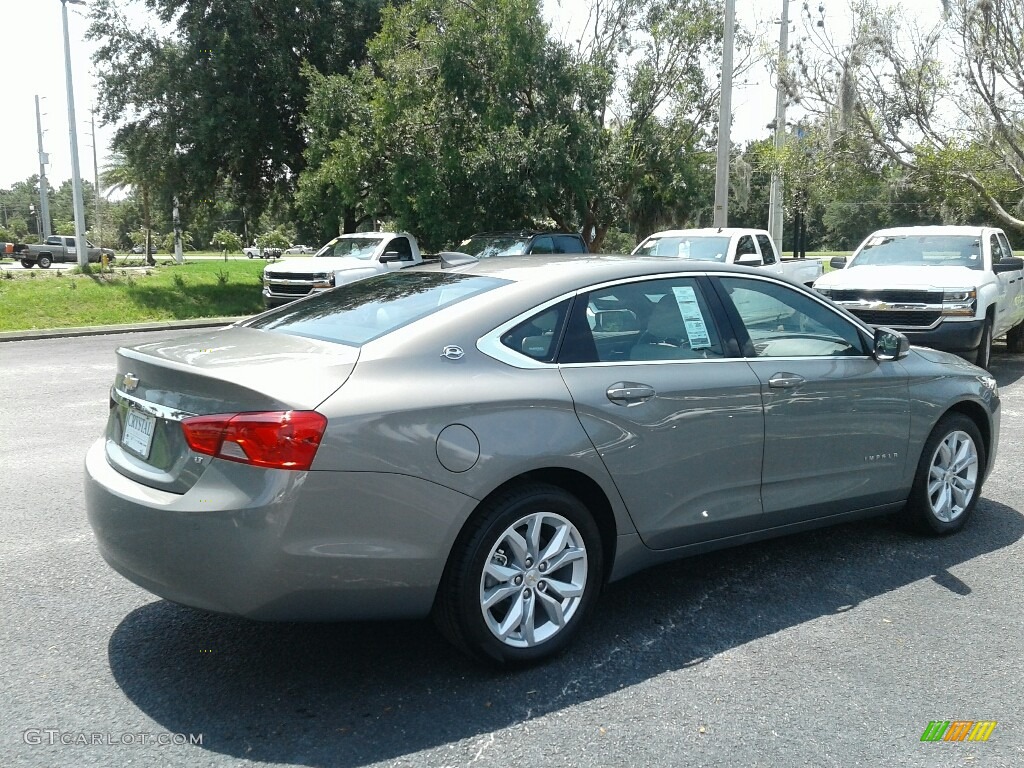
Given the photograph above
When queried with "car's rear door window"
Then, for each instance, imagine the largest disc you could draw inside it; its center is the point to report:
(367, 309)
(665, 319)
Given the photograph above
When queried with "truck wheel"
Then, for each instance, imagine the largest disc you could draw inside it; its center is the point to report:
(27, 264)
(522, 576)
(1015, 338)
(983, 356)
(249, 254)
(949, 474)
(44, 262)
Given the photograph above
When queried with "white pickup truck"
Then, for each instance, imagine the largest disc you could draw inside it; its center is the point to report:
(949, 287)
(731, 245)
(345, 259)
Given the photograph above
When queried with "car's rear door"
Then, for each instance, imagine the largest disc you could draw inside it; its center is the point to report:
(837, 422)
(672, 409)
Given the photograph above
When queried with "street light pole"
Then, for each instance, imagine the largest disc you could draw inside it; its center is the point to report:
(76, 176)
(775, 196)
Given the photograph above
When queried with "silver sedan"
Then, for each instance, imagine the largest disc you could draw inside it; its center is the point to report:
(490, 443)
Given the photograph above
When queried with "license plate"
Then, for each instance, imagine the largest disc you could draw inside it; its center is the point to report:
(138, 432)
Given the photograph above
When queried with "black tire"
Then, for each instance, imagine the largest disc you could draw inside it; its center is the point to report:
(459, 609)
(44, 262)
(1015, 339)
(983, 357)
(249, 255)
(27, 263)
(926, 508)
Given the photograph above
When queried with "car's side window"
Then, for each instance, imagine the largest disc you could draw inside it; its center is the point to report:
(767, 249)
(996, 247)
(665, 319)
(745, 246)
(400, 245)
(537, 336)
(568, 244)
(1007, 250)
(543, 245)
(783, 322)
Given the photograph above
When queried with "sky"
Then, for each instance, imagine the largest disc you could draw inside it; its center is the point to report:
(37, 68)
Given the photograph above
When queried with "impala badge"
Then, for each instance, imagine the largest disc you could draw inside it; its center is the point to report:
(452, 352)
(129, 382)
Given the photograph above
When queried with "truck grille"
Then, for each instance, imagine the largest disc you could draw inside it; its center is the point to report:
(898, 319)
(291, 290)
(310, 276)
(888, 296)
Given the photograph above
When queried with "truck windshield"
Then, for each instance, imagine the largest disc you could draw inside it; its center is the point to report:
(354, 247)
(686, 247)
(921, 250)
(359, 312)
(485, 246)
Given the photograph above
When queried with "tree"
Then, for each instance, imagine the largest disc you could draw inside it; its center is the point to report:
(943, 103)
(224, 240)
(128, 169)
(222, 97)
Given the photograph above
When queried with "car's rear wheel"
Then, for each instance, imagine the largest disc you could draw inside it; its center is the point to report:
(522, 577)
(949, 475)
(44, 262)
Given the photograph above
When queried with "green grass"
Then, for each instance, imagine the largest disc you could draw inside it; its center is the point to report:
(36, 299)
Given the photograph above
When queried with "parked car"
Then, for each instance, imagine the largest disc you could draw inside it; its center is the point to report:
(344, 259)
(949, 287)
(299, 249)
(491, 443)
(730, 245)
(255, 252)
(520, 243)
(59, 249)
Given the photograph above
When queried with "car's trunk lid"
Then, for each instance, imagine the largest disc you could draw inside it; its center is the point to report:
(233, 370)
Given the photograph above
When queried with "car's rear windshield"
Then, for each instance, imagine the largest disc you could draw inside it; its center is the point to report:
(921, 250)
(362, 311)
(686, 247)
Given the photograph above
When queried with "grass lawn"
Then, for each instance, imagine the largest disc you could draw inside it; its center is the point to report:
(37, 299)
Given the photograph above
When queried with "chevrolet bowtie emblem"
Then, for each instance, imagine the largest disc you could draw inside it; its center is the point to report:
(129, 382)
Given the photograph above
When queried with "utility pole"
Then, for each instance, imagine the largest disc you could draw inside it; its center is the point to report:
(44, 191)
(775, 198)
(721, 214)
(178, 256)
(96, 182)
(76, 174)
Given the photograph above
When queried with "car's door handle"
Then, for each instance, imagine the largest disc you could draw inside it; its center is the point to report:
(785, 380)
(630, 393)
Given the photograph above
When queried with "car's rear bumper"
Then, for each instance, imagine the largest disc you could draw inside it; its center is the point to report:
(279, 545)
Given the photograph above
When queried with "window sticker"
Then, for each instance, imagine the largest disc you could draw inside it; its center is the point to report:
(696, 328)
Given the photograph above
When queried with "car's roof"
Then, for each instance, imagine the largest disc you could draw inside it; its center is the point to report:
(708, 232)
(932, 229)
(520, 233)
(564, 273)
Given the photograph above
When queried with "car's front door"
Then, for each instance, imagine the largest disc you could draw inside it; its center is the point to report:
(1009, 306)
(673, 411)
(837, 421)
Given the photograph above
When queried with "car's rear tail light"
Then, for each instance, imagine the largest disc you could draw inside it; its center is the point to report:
(278, 439)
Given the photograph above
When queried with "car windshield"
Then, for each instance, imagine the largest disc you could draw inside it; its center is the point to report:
(359, 312)
(699, 248)
(921, 250)
(485, 246)
(355, 247)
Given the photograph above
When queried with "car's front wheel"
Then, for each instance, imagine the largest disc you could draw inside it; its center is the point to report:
(949, 475)
(983, 357)
(523, 576)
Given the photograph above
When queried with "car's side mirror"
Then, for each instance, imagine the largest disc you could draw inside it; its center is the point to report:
(748, 260)
(390, 256)
(837, 262)
(1008, 264)
(890, 345)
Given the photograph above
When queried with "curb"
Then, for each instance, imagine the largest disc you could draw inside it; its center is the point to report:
(102, 330)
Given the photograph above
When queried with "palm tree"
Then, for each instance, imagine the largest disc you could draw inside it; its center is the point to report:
(124, 174)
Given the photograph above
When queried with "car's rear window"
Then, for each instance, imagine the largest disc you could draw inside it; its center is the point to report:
(362, 311)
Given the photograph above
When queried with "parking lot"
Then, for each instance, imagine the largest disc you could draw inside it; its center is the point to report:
(836, 647)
